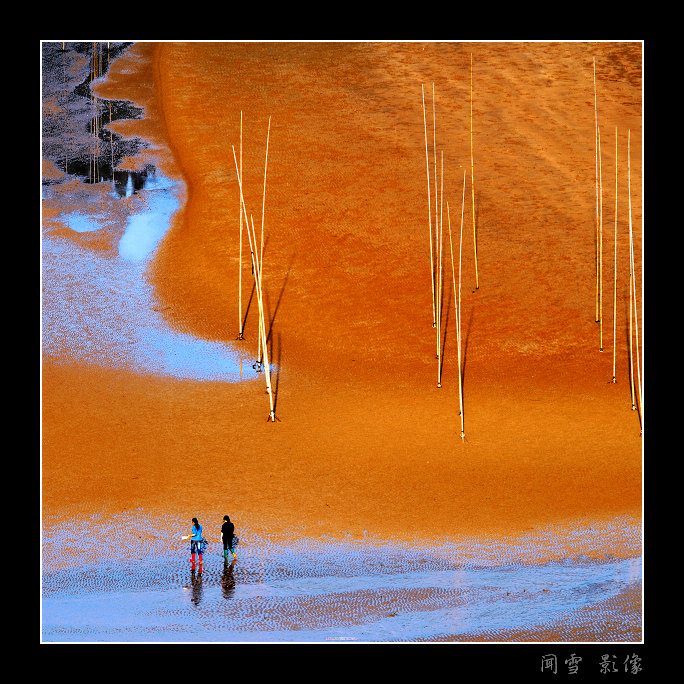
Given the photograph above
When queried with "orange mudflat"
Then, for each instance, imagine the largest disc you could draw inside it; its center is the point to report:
(365, 442)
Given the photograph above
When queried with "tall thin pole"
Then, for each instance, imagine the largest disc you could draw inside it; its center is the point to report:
(260, 300)
(90, 141)
(262, 323)
(460, 249)
(600, 246)
(255, 264)
(263, 210)
(615, 257)
(240, 325)
(633, 286)
(636, 328)
(434, 148)
(66, 114)
(427, 166)
(631, 271)
(457, 310)
(597, 191)
(472, 173)
(453, 271)
(111, 142)
(439, 289)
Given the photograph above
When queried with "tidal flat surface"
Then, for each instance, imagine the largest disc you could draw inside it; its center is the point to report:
(325, 590)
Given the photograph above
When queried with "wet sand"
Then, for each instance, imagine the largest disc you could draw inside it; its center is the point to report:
(347, 592)
(366, 444)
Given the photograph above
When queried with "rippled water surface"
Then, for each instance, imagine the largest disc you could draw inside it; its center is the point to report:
(319, 592)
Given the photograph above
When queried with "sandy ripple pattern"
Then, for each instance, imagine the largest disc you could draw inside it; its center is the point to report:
(321, 590)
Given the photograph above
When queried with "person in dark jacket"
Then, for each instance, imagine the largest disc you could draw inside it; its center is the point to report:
(227, 532)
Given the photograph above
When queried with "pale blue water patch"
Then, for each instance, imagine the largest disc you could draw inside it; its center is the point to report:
(145, 231)
(84, 224)
(101, 310)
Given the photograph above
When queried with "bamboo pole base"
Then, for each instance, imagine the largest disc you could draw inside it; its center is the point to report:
(613, 381)
(240, 337)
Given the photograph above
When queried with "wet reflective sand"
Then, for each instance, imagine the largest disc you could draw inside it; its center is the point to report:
(322, 590)
(409, 597)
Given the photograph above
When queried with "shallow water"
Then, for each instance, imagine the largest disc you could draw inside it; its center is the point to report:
(322, 589)
(145, 230)
(98, 309)
(338, 594)
(116, 321)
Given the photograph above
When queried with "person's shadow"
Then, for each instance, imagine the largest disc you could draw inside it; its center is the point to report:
(228, 579)
(197, 588)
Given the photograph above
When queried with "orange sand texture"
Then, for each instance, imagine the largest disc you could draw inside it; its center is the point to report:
(365, 441)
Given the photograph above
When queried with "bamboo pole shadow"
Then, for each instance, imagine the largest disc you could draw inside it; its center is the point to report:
(465, 346)
(446, 326)
(628, 365)
(277, 379)
(249, 303)
(280, 298)
(269, 338)
(475, 228)
(626, 303)
(244, 320)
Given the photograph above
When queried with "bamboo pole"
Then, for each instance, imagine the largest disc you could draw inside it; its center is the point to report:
(600, 246)
(96, 119)
(633, 291)
(615, 258)
(255, 264)
(427, 166)
(439, 298)
(457, 309)
(631, 273)
(262, 324)
(460, 250)
(95, 128)
(434, 149)
(92, 95)
(111, 140)
(597, 192)
(472, 173)
(90, 142)
(263, 210)
(636, 331)
(453, 270)
(66, 112)
(260, 300)
(240, 323)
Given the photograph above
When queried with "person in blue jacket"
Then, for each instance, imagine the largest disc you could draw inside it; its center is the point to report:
(195, 542)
